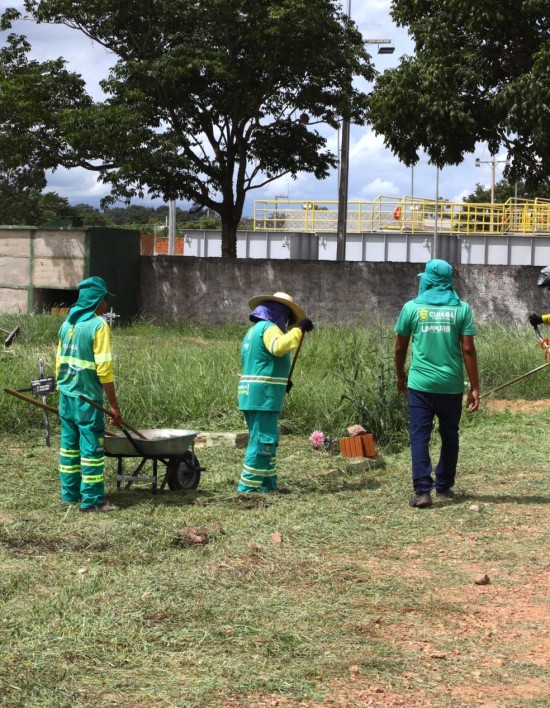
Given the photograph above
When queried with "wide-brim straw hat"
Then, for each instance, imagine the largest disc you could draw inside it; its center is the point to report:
(283, 298)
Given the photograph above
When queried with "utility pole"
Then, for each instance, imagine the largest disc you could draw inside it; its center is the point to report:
(343, 193)
(343, 172)
(172, 228)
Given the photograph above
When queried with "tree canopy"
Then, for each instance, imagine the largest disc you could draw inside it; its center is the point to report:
(30, 141)
(481, 72)
(505, 190)
(206, 101)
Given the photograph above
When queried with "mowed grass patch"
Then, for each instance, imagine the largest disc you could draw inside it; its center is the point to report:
(357, 597)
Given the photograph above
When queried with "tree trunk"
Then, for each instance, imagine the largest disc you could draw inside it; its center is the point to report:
(229, 235)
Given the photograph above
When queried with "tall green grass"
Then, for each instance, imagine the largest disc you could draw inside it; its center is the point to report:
(185, 375)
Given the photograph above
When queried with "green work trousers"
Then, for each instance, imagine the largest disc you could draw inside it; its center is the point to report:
(81, 457)
(259, 468)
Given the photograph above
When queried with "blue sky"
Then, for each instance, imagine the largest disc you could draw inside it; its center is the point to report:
(373, 171)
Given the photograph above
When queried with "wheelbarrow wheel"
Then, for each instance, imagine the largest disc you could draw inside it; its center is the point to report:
(183, 472)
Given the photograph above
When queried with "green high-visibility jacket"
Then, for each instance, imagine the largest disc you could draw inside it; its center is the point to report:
(265, 368)
(84, 360)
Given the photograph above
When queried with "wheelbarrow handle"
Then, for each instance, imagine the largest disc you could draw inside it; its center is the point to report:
(39, 404)
(28, 399)
(107, 412)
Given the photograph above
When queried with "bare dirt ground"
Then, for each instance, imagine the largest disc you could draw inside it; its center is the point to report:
(499, 627)
(516, 406)
(482, 654)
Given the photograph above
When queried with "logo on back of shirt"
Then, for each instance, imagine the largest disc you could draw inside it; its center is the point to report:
(436, 320)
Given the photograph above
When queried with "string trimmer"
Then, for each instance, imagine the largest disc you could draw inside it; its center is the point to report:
(545, 344)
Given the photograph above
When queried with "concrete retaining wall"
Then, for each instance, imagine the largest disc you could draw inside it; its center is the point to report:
(216, 291)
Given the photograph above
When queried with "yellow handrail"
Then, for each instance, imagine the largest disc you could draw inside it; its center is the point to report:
(410, 214)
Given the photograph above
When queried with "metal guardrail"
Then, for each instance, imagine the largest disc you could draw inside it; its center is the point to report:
(410, 214)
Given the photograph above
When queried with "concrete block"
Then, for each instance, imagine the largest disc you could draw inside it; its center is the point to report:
(16, 244)
(12, 300)
(365, 463)
(14, 271)
(239, 439)
(58, 272)
(59, 244)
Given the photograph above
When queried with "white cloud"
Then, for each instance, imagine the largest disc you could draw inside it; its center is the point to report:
(377, 188)
(460, 196)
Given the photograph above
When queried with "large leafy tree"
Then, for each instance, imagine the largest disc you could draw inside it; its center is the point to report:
(209, 100)
(480, 72)
(31, 93)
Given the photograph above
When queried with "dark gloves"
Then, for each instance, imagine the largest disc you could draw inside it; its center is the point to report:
(305, 325)
(535, 319)
(289, 386)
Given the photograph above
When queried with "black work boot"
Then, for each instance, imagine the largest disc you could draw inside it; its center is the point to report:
(446, 494)
(420, 500)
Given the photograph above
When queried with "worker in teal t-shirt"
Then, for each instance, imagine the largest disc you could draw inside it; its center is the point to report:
(441, 327)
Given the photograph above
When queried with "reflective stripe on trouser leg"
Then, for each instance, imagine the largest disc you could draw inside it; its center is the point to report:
(69, 453)
(92, 432)
(259, 472)
(90, 426)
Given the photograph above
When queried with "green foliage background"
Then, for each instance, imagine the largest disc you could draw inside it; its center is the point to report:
(185, 375)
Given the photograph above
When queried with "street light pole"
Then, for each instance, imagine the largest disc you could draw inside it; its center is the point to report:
(341, 226)
(436, 214)
(171, 228)
(343, 171)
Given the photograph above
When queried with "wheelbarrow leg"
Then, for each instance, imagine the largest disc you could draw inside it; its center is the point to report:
(119, 473)
(136, 472)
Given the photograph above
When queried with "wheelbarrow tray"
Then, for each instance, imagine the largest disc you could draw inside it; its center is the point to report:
(161, 442)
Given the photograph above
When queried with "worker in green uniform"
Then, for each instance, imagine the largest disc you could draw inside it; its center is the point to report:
(441, 327)
(84, 366)
(544, 283)
(265, 355)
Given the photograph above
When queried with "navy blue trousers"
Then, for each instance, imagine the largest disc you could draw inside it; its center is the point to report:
(423, 408)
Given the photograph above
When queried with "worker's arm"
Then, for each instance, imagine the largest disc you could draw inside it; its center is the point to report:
(469, 355)
(280, 344)
(115, 416)
(537, 320)
(104, 369)
(401, 348)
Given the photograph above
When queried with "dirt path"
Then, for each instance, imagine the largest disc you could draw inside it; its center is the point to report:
(516, 406)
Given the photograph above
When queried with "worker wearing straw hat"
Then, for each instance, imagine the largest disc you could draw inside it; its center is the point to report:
(265, 356)
(84, 366)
